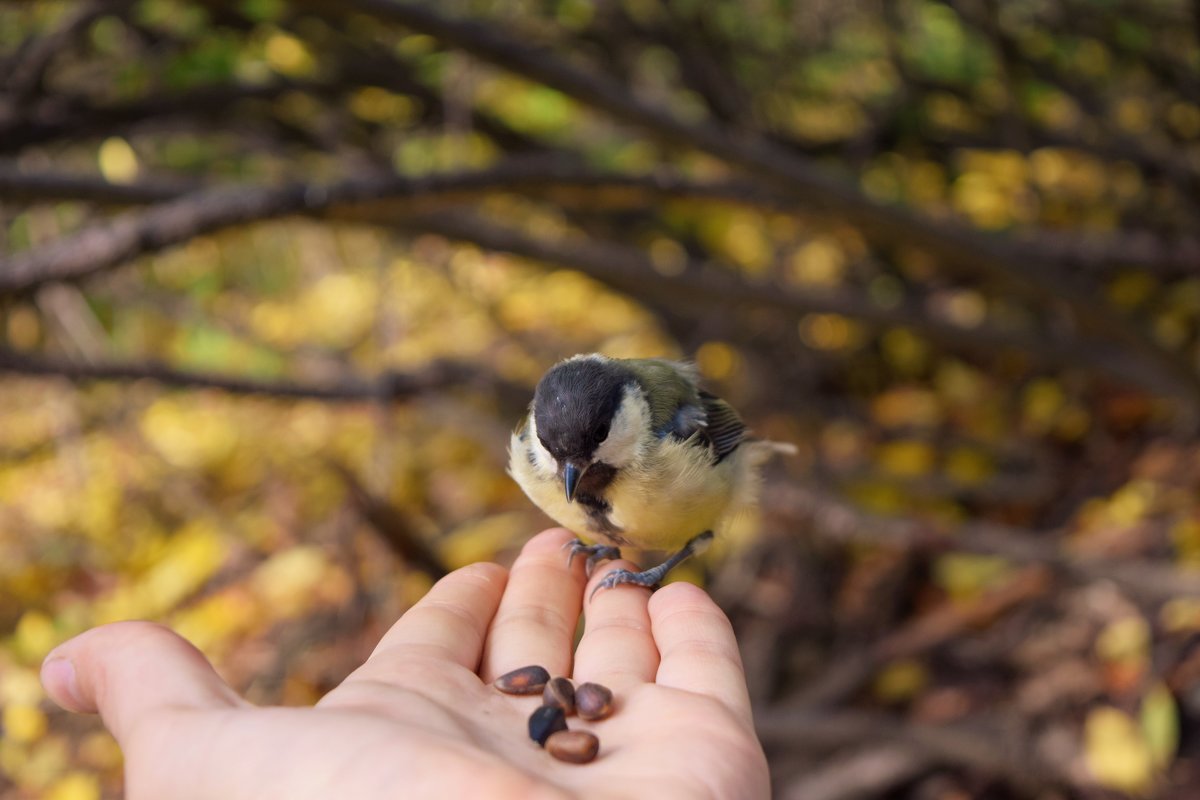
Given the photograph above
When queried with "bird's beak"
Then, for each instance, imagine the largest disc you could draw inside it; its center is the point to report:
(571, 476)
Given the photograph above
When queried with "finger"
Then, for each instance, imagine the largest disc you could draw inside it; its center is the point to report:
(617, 648)
(539, 613)
(698, 647)
(127, 670)
(450, 621)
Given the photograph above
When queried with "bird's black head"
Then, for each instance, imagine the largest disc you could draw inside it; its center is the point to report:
(574, 406)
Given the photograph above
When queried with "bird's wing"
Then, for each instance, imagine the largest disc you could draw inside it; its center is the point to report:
(724, 429)
(678, 409)
(674, 391)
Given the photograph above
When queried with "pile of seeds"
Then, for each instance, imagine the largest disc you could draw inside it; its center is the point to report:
(560, 699)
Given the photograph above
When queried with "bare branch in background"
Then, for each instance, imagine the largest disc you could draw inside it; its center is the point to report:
(959, 247)
(575, 185)
(56, 120)
(387, 387)
(869, 772)
(24, 75)
(205, 211)
(394, 525)
(841, 521)
(994, 746)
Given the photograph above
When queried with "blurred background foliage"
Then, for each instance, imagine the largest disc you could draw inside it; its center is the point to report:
(277, 279)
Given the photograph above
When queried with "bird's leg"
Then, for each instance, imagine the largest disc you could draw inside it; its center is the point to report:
(653, 576)
(595, 554)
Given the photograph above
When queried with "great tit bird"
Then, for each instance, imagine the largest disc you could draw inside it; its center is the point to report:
(632, 452)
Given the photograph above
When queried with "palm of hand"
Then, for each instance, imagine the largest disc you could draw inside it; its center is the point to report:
(419, 718)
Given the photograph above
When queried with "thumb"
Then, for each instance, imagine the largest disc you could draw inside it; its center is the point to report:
(127, 670)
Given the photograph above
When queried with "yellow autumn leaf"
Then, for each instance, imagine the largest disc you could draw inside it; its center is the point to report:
(187, 561)
(74, 786)
(1160, 724)
(900, 680)
(100, 751)
(13, 756)
(19, 685)
(118, 162)
(1042, 401)
(906, 458)
(24, 723)
(1125, 639)
(904, 350)
(278, 323)
(717, 360)
(188, 433)
(820, 262)
(830, 332)
(1116, 751)
(35, 636)
(960, 385)
(344, 304)
(878, 497)
(907, 407)
(218, 618)
(1185, 536)
(192, 556)
(741, 236)
(965, 575)
(1180, 614)
(969, 465)
(1131, 289)
(1129, 504)
(41, 762)
(482, 539)
(374, 104)
(289, 56)
(286, 581)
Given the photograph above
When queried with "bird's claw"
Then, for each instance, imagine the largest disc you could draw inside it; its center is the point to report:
(618, 577)
(595, 554)
(652, 577)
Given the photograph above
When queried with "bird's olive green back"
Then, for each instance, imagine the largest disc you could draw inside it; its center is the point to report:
(674, 385)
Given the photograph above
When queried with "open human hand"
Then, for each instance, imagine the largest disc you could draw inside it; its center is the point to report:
(419, 718)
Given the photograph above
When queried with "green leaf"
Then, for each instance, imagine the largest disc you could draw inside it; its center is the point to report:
(1160, 724)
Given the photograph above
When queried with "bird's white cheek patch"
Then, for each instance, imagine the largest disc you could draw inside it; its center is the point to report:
(621, 445)
(542, 459)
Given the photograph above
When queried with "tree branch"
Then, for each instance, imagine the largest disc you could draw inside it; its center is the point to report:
(394, 524)
(846, 675)
(392, 200)
(568, 182)
(202, 211)
(842, 521)
(387, 387)
(24, 75)
(1003, 753)
(955, 245)
(58, 118)
(868, 773)
(718, 290)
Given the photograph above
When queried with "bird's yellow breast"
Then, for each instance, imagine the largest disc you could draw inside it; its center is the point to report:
(659, 502)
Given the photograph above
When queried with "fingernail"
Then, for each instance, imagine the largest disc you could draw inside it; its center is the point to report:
(58, 676)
